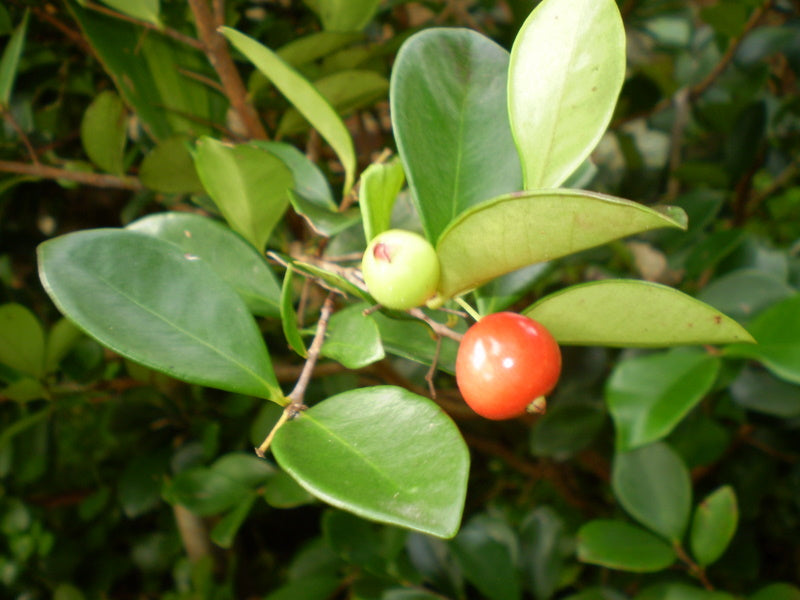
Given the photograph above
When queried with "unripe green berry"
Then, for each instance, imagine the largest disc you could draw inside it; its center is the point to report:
(401, 269)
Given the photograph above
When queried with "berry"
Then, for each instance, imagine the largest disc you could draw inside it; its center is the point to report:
(401, 269)
(506, 362)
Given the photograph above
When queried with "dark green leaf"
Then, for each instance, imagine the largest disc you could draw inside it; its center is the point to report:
(205, 491)
(368, 451)
(310, 588)
(225, 530)
(22, 345)
(745, 292)
(309, 181)
(146, 10)
(566, 429)
(713, 526)
(567, 68)
(653, 485)
(449, 116)
(10, 61)
(680, 591)
(415, 341)
(104, 132)
(777, 591)
(649, 395)
(281, 491)
(543, 540)
(145, 299)
(352, 338)
(761, 392)
(620, 545)
(619, 312)
(509, 232)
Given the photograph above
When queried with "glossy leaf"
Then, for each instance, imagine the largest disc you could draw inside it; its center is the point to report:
(653, 485)
(759, 391)
(146, 10)
(233, 259)
(377, 192)
(618, 312)
(510, 232)
(309, 181)
(324, 221)
(503, 291)
(165, 309)
(620, 545)
(303, 96)
(777, 591)
(648, 396)
(169, 168)
(777, 331)
(104, 132)
(148, 71)
(344, 15)
(368, 451)
(22, 345)
(487, 561)
(567, 68)
(249, 186)
(281, 491)
(289, 321)
(345, 91)
(9, 63)
(713, 526)
(352, 338)
(449, 116)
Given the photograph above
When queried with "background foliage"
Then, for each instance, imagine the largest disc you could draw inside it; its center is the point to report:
(656, 474)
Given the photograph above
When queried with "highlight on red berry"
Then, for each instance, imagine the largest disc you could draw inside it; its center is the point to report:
(505, 362)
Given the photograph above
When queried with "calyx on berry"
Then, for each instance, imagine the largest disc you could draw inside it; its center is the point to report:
(401, 269)
(507, 362)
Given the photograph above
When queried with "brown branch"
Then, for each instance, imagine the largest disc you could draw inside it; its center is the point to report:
(216, 50)
(438, 328)
(72, 35)
(174, 34)
(21, 134)
(94, 179)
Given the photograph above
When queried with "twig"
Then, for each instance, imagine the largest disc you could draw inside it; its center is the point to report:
(297, 395)
(21, 134)
(94, 179)
(174, 34)
(432, 370)
(438, 328)
(216, 49)
(694, 569)
(207, 81)
(682, 110)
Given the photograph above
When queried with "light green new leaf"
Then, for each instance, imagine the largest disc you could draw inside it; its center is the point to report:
(345, 91)
(620, 545)
(352, 338)
(512, 231)
(313, 46)
(303, 96)
(232, 258)
(249, 186)
(10, 60)
(567, 68)
(631, 313)
(649, 395)
(22, 345)
(368, 451)
(380, 184)
(61, 338)
(777, 331)
(104, 132)
(449, 117)
(146, 10)
(169, 168)
(713, 526)
(652, 483)
(291, 330)
(148, 301)
(344, 15)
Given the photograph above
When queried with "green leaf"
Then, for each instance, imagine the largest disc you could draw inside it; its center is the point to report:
(169, 168)
(145, 299)
(620, 545)
(415, 341)
(501, 292)
(344, 15)
(777, 591)
(225, 530)
(653, 485)
(22, 345)
(777, 331)
(308, 588)
(281, 491)
(291, 331)
(680, 591)
(146, 10)
(60, 340)
(544, 547)
(649, 395)
(352, 338)
(104, 132)
(512, 231)
(345, 91)
(713, 526)
(620, 313)
(9, 63)
(745, 292)
(324, 221)
(309, 181)
(380, 185)
(566, 429)
(482, 552)
(232, 258)
(449, 116)
(303, 96)
(205, 491)
(761, 392)
(148, 71)
(313, 46)
(567, 68)
(368, 451)
(248, 185)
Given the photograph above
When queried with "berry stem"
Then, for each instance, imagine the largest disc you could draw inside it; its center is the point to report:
(470, 311)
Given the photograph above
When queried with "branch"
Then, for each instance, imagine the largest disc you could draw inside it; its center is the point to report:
(438, 328)
(94, 179)
(216, 49)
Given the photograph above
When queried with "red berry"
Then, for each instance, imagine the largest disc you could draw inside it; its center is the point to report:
(504, 363)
